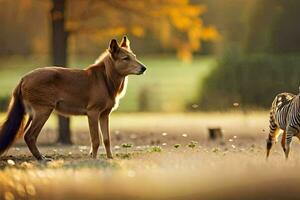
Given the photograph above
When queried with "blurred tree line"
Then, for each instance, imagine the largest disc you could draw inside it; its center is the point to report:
(260, 57)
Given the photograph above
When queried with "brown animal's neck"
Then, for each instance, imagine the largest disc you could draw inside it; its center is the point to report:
(114, 81)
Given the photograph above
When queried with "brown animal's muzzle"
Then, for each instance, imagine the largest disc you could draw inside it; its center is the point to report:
(142, 69)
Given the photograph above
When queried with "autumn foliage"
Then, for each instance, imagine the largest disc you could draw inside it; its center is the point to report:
(176, 24)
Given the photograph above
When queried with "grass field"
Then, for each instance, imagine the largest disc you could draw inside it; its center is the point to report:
(231, 168)
(170, 83)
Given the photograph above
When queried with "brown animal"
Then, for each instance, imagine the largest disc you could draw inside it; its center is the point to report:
(93, 92)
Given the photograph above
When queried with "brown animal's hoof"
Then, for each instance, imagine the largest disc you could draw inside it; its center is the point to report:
(94, 156)
(110, 157)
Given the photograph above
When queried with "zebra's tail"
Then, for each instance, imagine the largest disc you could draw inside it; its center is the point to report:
(272, 123)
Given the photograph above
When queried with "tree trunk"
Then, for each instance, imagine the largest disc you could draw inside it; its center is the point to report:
(59, 58)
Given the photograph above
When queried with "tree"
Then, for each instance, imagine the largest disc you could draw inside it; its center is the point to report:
(59, 58)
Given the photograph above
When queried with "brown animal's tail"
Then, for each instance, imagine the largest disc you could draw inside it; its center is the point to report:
(14, 119)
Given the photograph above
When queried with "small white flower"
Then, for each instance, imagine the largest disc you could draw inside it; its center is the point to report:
(11, 162)
(184, 135)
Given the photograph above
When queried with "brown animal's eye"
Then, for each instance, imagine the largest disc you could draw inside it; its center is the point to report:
(126, 58)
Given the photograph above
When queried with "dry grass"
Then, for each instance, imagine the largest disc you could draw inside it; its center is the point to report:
(234, 170)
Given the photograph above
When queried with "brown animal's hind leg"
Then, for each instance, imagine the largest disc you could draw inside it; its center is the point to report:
(28, 123)
(39, 119)
(104, 123)
(94, 132)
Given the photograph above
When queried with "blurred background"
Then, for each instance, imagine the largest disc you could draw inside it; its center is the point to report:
(202, 55)
(197, 119)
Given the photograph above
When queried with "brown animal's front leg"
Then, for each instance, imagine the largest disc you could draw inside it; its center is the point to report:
(39, 119)
(94, 133)
(104, 124)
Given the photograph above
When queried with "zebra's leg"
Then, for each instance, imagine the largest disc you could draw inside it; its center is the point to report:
(290, 132)
(274, 131)
(283, 138)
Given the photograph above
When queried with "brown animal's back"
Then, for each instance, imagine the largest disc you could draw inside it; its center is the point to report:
(53, 86)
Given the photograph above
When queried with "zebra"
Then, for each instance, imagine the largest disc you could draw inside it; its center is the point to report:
(285, 119)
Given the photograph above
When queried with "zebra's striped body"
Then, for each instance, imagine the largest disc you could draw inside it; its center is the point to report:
(285, 118)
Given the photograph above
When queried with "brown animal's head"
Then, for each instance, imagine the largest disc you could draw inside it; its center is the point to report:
(124, 59)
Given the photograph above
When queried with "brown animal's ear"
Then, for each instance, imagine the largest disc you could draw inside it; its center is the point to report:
(113, 46)
(125, 43)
